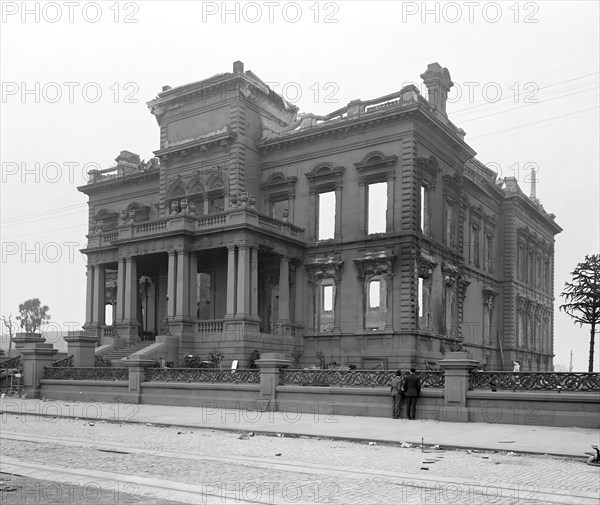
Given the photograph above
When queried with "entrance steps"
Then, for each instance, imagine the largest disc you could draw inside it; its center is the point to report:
(123, 352)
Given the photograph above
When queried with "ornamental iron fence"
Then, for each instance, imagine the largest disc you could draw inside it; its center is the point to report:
(65, 362)
(202, 375)
(364, 378)
(536, 381)
(93, 373)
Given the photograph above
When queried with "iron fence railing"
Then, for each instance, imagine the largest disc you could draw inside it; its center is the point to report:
(65, 362)
(536, 381)
(92, 373)
(364, 378)
(213, 375)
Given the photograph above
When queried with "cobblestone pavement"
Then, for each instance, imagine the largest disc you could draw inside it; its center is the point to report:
(206, 466)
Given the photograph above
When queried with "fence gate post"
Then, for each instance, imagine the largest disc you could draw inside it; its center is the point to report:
(137, 374)
(457, 367)
(270, 365)
(36, 356)
(82, 347)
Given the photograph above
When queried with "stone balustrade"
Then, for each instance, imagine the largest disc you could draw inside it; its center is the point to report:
(211, 326)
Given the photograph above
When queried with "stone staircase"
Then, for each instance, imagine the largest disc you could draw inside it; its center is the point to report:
(123, 352)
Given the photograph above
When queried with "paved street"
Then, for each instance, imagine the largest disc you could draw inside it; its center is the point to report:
(156, 464)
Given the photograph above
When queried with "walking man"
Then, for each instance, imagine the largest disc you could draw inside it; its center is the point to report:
(412, 389)
(397, 394)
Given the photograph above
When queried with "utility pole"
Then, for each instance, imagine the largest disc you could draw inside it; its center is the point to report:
(571, 362)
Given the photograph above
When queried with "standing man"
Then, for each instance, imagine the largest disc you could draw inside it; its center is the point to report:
(397, 394)
(412, 389)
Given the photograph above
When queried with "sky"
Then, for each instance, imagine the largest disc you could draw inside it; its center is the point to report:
(76, 77)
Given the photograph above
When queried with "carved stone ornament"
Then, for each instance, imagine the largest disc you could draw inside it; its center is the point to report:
(489, 294)
(375, 264)
(425, 266)
(450, 274)
(326, 268)
(428, 167)
(462, 285)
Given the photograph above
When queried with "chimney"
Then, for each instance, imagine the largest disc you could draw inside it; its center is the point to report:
(438, 82)
(238, 67)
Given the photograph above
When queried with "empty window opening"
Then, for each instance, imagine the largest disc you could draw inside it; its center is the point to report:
(377, 194)
(420, 296)
(374, 294)
(326, 225)
(327, 298)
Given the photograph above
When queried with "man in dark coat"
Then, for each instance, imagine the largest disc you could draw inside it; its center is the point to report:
(397, 394)
(412, 389)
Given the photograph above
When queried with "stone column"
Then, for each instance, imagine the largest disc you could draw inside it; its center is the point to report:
(89, 294)
(243, 281)
(172, 272)
(36, 356)
(193, 311)
(389, 214)
(389, 309)
(231, 281)
(457, 368)
(182, 298)
(121, 290)
(270, 365)
(254, 282)
(131, 290)
(312, 217)
(98, 306)
(362, 213)
(137, 374)
(284, 290)
(338, 213)
(82, 347)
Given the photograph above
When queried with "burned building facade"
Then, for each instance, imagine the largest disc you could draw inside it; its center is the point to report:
(371, 234)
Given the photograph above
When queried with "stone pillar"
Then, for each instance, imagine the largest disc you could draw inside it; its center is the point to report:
(254, 282)
(362, 213)
(171, 284)
(182, 298)
(131, 290)
(82, 347)
(36, 356)
(284, 290)
(98, 291)
(338, 213)
(231, 281)
(22, 339)
(89, 295)
(121, 290)
(243, 281)
(137, 374)
(193, 311)
(270, 364)
(389, 214)
(457, 368)
(389, 299)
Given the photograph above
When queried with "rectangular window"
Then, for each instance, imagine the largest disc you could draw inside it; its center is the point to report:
(216, 205)
(450, 224)
(278, 208)
(377, 196)
(475, 245)
(425, 195)
(327, 298)
(489, 252)
(326, 224)
(420, 296)
(374, 291)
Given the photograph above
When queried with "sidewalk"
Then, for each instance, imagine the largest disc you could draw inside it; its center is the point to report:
(504, 437)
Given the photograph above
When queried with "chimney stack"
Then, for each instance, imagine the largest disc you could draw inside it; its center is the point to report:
(438, 82)
(238, 67)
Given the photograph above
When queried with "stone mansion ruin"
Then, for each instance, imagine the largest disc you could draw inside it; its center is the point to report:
(371, 234)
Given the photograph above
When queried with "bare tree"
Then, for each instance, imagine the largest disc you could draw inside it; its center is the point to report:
(10, 326)
(582, 297)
